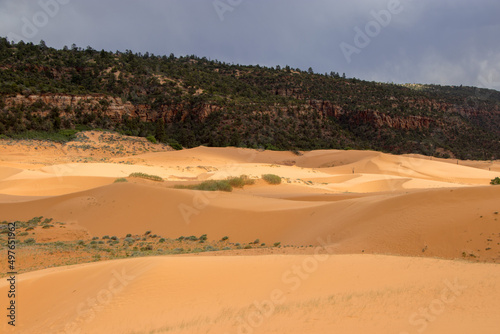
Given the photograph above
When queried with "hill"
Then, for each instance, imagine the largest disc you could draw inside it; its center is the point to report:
(195, 101)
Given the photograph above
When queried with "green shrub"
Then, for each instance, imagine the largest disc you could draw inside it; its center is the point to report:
(121, 179)
(210, 185)
(152, 139)
(174, 144)
(271, 179)
(129, 240)
(147, 176)
(240, 182)
(495, 181)
(224, 238)
(276, 244)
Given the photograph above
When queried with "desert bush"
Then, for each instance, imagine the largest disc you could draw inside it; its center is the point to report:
(240, 181)
(210, 185)
(276, 244)
(129, 240)
(147, 176)
(120, 180)
(224, 238)
(495, 181)
(152, 139)
(271, 179)
(29, 241)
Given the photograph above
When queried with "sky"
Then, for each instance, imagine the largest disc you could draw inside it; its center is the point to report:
(448, 42)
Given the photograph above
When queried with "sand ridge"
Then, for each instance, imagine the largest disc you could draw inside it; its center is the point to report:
(377, 239)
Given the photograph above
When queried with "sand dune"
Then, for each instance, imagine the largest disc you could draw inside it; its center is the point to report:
(51, 186)
(337, 294)
(359, 206)
(446, 222)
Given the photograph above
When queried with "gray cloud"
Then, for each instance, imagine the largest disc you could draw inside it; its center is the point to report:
(443, 42)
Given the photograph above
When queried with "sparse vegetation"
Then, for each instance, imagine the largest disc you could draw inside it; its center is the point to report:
(120, 180)
(210, 185)
(495, 181)
(147, 177)
(272, 179)
(219, 185)
(240, 182)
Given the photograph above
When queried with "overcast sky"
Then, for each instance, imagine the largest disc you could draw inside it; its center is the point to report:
(421, 41)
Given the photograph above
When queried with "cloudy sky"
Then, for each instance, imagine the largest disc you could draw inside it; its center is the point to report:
(405, 41)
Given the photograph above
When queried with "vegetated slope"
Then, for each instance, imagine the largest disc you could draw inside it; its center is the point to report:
(195, 101)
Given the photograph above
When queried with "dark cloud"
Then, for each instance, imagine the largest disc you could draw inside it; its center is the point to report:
(444, 42)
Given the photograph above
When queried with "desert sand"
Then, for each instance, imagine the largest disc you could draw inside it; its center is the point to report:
(368, 242)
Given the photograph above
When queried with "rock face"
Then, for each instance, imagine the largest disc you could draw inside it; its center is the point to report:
(373, 118)
(115, 109)
(109, 106)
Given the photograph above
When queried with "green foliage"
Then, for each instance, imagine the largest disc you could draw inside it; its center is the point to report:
(248, 106)
(210, 185)
(29, 241)
(272, 179)
(240, 181)
(152, 139)
(147, 177)
(174, 144)
(120, 180)
(61, 136)
(495, 181)
(219, 185)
